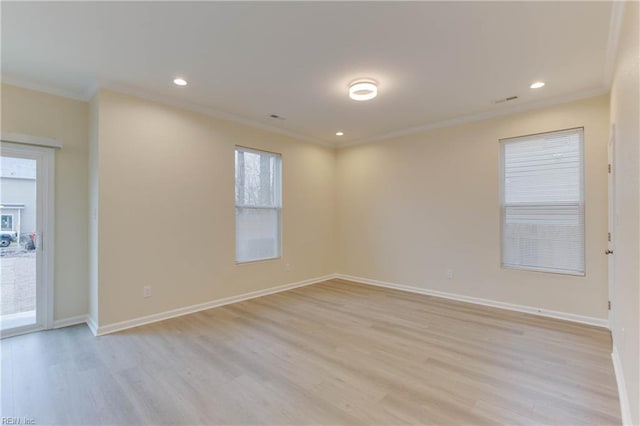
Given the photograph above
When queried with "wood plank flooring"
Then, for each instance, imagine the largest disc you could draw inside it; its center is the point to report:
(331, 353)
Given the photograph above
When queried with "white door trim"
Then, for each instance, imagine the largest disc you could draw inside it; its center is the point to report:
(45, 227)
(612, 224)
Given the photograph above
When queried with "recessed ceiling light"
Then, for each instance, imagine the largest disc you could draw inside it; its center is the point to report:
(180, 81)
(363, 90)
(537, 85)
(339, 133)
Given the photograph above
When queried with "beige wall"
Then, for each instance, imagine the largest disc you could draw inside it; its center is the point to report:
(414, 206)
(625, 113)
(406, 210)
(402, 210)
(39, 114)
(166, 209)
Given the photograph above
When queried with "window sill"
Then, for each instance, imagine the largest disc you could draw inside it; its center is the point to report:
(266, 259)
(545, 270)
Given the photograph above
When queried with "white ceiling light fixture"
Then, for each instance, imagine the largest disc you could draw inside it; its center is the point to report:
(179, 81)
(537, 85)
(339, 133)
(363, 89)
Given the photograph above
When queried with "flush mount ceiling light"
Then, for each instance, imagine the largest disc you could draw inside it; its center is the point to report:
(537, 85)
(180, 81)
(339, 133)
(363, 90)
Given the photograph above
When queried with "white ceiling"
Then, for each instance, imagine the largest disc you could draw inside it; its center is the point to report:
(434, 61)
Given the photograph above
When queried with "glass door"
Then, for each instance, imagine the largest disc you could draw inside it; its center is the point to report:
(26, 199)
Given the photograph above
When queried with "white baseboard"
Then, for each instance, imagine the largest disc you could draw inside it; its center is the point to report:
(119, 326)
(625, 409)
(66, 322)
(111, 328)
(92, 325)
(599, 322)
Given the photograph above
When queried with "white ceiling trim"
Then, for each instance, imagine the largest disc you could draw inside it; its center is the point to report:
(91, 90)
(189, 106)
(615, 27)
(39, 58)
(39, 87)
(482, 116)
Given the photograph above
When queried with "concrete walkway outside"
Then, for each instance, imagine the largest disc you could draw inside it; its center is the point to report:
(17, 283)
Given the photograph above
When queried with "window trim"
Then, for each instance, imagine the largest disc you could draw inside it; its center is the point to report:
(12, 222)
(582, 202)
(277, 209)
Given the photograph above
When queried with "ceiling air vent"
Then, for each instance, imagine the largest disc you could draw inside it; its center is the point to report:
(510, 98)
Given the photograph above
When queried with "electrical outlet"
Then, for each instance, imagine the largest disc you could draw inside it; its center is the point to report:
(146, 291)
(449, 274)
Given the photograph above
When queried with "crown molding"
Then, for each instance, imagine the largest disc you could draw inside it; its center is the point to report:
(210, 112)
(90, 91)
(615, 28)
(40, 87)
(583, 94)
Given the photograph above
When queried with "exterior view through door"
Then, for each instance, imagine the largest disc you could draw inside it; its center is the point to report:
(26, 175)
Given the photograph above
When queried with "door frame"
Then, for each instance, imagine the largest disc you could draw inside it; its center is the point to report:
(45, 231)
(612, 223)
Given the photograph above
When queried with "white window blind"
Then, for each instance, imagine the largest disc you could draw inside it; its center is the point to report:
(258, 205)
(543, 202)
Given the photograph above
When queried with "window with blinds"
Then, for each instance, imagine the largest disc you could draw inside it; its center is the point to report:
(258, 205)
(543, 202)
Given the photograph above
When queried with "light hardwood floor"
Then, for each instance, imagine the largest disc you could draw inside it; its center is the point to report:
(331, 353)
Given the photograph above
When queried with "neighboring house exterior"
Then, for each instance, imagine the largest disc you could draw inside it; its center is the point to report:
(18, 196)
